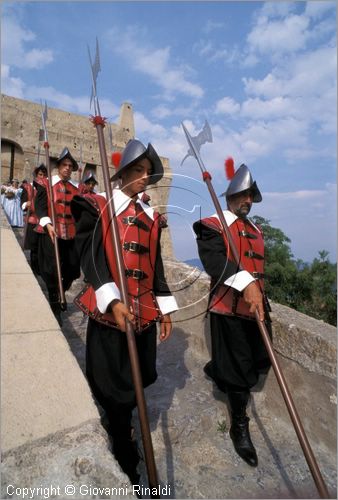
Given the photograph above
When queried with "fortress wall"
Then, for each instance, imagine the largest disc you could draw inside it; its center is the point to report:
(20, 126)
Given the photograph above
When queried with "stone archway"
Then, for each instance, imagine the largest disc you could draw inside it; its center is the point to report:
(12, 160)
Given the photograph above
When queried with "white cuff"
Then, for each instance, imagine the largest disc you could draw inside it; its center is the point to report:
(240, 280)
(23, 206)
(44, 221)
(105, 294)
(167, 304)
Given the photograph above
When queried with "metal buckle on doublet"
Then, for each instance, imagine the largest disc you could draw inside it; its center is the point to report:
(134, 221)
(257, 275)
(253, 255)
(130, 220)
(245, 234)
(136, 274)
(133, 246)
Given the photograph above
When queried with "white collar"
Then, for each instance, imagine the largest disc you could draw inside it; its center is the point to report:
(230, 218)
(57, 178)
(121, 202)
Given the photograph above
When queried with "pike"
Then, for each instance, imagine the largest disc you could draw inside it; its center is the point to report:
(195, 144)
(99, 123)
(80, 171)
(44, 117)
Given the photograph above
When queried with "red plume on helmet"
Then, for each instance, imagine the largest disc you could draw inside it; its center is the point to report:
(229, 168)
(116, 158)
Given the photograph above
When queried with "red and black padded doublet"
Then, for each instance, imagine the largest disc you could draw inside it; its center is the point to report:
(227, 279)
(28, 194)
(139, 236)
(107, 359)
(33, 230)
(63, 193)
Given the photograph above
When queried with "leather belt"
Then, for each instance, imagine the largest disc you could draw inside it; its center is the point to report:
(133, 246)
(134, 221)
(245, 234)
(137, 274)
(253, 255)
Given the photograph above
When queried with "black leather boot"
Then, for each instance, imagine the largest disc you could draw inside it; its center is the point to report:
(124, 446)
(55, 305)
(239, 430)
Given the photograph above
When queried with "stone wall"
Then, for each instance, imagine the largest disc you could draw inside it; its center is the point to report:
(20, 132)
(307, 341)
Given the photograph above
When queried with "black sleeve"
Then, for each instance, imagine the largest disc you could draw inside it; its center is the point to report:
(24, 196)
(213, 253)
(160, 283)
(89, 243)
(41, 201)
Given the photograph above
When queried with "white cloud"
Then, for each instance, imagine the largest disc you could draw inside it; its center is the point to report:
(303, 88)
(144, 126)
(10, 85)
(275, 9)
(227, 105)
(215, 52)
(163, 111)
(280, 36)
(203, 48)
(212, 26)
(279, 31)
(316, 9)
(154, 62)
(74, 104)
(268, 109)
(14, 44)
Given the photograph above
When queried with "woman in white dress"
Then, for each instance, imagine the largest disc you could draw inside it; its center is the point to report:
(12, 204)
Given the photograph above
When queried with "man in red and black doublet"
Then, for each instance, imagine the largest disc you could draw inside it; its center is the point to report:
(238, 352)
(107, 361)
(32, 229)
(64, 189)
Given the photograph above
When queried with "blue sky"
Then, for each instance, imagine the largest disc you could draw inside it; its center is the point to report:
(262, 74)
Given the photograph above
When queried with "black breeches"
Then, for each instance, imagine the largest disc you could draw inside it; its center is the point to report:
(108, 366)
(238, 352)
(70, 262)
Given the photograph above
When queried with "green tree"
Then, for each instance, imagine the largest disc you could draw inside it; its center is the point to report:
(324, 288)
(308, 288)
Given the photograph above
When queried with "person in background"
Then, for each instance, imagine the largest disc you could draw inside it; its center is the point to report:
(64, 189)
(88, 184)
(33, 230)
(12, 204)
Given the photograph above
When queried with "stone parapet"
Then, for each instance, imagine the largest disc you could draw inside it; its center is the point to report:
(305, 340)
